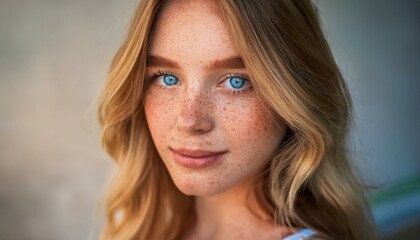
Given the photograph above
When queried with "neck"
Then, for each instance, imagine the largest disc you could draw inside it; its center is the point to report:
(233, 214)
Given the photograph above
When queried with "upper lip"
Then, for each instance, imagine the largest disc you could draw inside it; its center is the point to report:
(196, 152)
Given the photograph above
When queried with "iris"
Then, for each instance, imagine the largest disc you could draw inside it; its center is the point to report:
(237, 82)
(169, 79)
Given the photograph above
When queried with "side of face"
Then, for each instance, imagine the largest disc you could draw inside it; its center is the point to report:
(209, 126)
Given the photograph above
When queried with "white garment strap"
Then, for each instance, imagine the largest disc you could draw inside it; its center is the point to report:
(301, 235)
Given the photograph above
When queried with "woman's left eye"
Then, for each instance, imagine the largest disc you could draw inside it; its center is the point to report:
(236, 83)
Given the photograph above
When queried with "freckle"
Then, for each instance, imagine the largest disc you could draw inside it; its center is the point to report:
(211, 182)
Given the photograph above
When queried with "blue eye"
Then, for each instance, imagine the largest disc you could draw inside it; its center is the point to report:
(169, 79)
(237, 82)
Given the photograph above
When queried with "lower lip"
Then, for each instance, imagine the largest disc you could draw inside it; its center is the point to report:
(196, 162)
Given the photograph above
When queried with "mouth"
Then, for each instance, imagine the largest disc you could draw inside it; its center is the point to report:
(198, 158)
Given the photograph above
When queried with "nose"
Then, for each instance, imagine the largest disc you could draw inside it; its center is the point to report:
(195, 116)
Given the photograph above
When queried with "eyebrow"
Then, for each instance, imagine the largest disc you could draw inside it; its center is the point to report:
(157, 61)
(234, 62)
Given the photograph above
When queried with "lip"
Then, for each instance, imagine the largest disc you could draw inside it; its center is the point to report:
(197, 158)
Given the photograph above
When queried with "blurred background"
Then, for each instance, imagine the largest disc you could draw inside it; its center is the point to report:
(54, 56)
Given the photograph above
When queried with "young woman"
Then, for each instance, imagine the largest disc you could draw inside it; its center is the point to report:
(227, 120)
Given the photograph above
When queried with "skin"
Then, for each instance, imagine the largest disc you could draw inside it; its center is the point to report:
(203, 112)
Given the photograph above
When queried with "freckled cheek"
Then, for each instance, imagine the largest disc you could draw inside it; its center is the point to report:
(251, 133)
(247, 120)
(160, 111)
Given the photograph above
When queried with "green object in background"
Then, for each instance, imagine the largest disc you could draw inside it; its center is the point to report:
(396, 207)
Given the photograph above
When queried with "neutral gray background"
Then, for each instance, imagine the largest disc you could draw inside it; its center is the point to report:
(377, 45)
(54, 56)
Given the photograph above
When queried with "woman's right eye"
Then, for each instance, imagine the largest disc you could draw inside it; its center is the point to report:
(169, 79)
(165, 79)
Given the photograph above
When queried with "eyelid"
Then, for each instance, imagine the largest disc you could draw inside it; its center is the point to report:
(240, 75)
(157, 74)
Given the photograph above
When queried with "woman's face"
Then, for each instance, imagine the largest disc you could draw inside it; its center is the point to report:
(209, 126)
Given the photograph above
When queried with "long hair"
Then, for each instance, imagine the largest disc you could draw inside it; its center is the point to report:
(309, 182)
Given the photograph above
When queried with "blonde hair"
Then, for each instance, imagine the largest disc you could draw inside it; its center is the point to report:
(309, 182)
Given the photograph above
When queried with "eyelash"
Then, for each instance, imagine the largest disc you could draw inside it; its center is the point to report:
(159, 73)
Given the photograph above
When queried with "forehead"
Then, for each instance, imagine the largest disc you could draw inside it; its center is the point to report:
(195, 5)
(191, 29)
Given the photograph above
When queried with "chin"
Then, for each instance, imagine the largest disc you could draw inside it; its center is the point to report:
(197, 186)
